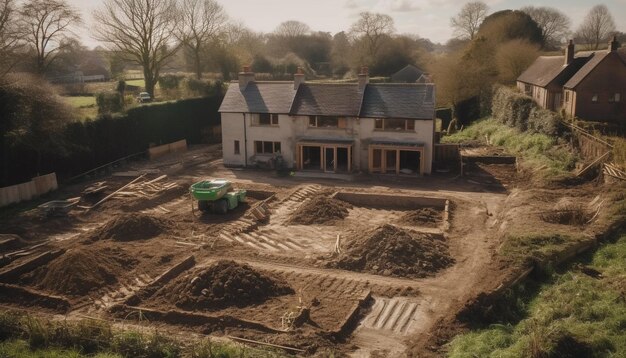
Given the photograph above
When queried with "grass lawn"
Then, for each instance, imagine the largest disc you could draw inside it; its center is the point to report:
(81, 101)
(138, 83)
(573, 314)
(84, 106)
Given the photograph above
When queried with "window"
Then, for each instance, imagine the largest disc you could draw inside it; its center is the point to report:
(237, 150)
(616, 97)
(262, 147)
(267, 119)
(528, 89)
(566, 96)
(323, 122)
(594, 98)
(391, 124)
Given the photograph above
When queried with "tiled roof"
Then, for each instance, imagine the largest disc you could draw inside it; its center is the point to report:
(408, 74)
(409, 101)
(326, 99)
(415, 101)
(259, 97)
(598, 57)
(549, 68)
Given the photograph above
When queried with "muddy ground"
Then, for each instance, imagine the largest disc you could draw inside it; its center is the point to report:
(364, 280)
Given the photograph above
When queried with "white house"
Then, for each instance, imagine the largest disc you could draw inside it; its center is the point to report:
(329, 127)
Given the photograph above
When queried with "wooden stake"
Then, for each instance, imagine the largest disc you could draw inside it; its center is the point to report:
(266, 344)
(118, 190)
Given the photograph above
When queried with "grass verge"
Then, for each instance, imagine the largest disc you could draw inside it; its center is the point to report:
(573, 314)
(23, 335)
(545, 154)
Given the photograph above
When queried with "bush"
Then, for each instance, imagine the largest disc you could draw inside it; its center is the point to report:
(544, 121)
(169, 82)
(109, 102)
(200, 88)
(512, 108)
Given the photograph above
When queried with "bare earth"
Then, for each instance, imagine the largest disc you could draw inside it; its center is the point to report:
(361, 314)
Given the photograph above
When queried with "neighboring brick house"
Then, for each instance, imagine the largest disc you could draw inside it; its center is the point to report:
(329, 127)
(587, 85)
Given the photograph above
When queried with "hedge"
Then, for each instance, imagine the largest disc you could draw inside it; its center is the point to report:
(96, 142)
(512, 108)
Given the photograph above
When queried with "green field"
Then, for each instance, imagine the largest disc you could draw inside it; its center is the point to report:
(84, 106)
(138, 83)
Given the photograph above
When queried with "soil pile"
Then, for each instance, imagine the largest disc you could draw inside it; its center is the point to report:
(83, 270)
(320, 210)
(132, 227)
(425, 217)
(224, 284)
(391, 251)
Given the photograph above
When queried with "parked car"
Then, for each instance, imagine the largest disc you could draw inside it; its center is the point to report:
(144, 97)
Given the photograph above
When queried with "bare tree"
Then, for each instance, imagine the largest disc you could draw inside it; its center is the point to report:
(468, 20)
(46, 25)
(372, 28)
(201, 22)
(597, 26)
(554, 24)
(292, 29)
(142, 30)
(8, 36)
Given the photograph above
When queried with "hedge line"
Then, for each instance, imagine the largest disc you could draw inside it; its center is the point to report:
(96, 142)
(520, 111)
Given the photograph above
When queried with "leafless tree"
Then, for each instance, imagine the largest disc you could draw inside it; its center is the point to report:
(201, 22)
(292, 29)
(597, 26)
(141, 30)
(468, 20)
(46, 25)
(372, 28)
(554, 24)
(8, 36)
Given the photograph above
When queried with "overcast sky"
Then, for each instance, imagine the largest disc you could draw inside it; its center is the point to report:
(426, 18)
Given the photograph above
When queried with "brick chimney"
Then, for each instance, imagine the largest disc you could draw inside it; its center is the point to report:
(298, 78)
(613, 45)
(245, 77)
(364, 78)
(570, 50)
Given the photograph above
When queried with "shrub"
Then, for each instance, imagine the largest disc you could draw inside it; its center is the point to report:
(544, 121)
(169, 82)
(512, 108)
(109, 102)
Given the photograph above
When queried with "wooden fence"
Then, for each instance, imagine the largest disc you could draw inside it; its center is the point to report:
(27, 191)
(590, 146)
(165, 149)
(447, 153)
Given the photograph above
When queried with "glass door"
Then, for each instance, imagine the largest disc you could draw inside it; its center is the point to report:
(329, 162)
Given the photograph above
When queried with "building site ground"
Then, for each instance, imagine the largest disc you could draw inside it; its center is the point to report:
(380, 266)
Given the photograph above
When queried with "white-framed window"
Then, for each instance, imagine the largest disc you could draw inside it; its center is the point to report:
(327, 122)
(265, 119)
(392, 124)
(528, 89)
(566, 96)
(266, 147)
(237, 148)
(594, 98)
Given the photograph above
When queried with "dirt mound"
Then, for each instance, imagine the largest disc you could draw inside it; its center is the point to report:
(320, 210)
(80, 271)
(224, 284)
(425, 217)
(132, 227)
(391, 251)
